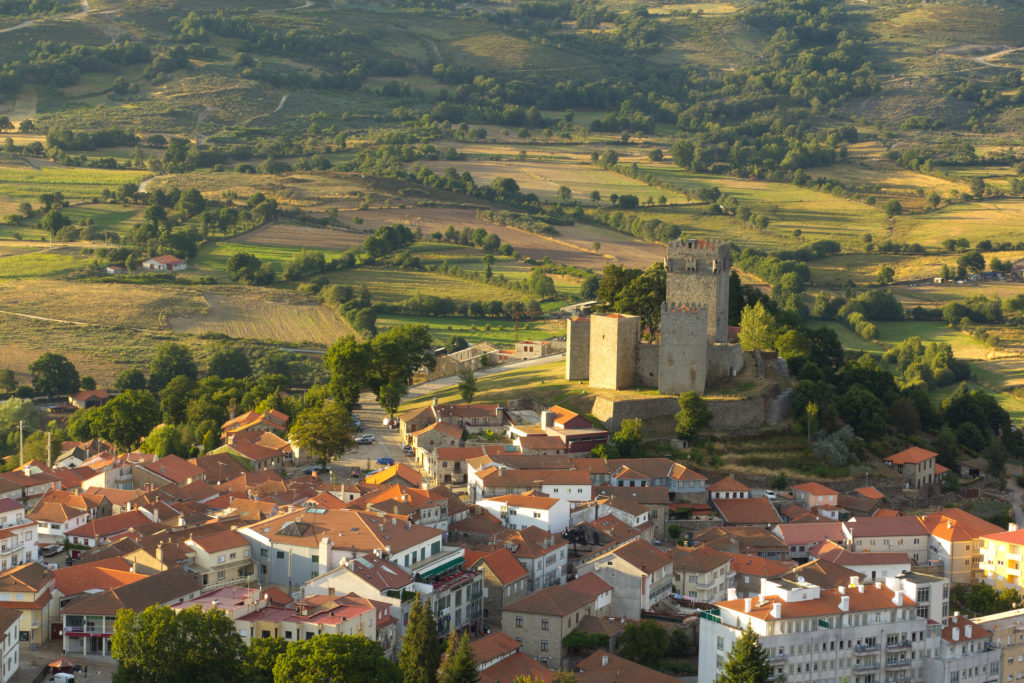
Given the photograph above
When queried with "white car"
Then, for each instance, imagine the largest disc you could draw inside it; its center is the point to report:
(365, 438)
(770, 495)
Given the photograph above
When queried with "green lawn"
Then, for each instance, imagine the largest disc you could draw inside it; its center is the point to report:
(476, 329)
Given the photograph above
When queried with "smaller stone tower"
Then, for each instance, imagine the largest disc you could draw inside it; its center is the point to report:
(577, 348)
(698, 271)
(684, 348)
(614, 347)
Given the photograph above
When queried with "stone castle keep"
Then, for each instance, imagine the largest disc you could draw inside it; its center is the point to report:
(692, 351)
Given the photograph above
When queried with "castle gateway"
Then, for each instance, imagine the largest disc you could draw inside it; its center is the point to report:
(691, 352)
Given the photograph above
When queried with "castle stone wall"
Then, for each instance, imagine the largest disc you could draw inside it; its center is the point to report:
(724, 361)
(684, 349)
(727, 414)
(647, 367)
(698, 272)
(577, 349)
(614, 348)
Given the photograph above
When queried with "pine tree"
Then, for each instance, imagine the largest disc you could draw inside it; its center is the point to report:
(459, 663)
(747, 662)
(421, 649)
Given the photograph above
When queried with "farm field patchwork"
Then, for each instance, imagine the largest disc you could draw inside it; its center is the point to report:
(19, 183)
(476, 329)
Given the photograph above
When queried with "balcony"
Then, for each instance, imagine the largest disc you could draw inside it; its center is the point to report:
(1013, 571)
(987, 566)
(439, 562)
(865, 666)
(902, 645)
(897, 663)
(868, 647)
(778, 658)
(1013, 557)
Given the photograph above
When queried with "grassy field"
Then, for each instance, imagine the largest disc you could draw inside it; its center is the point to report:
(138, 306)
(212, 259)
(59, 262)
(246, 314)
(1001, 219)
(390, 285)
(545, 383)
(20, 183)
(476, 329)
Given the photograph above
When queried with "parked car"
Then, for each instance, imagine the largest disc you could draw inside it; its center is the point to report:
(365, 438)
(770, 495)
(385, 461)
(407, 448)
(51, 550)
(317, 468)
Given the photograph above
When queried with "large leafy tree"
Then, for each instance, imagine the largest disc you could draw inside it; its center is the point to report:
(395, 355)
(467, 384)
(758, 328)
(644, 642)
(747, 661)
(329, 658)
(171, 360)
(348, 361)
(230, 362)
(693, 416)
(133, 378)
(459, 665)
(629, 437)
(174, 399)
(53, 374)
(123, 420)
(420, 656)
(325, 430)
(260, 658)
(160, 645)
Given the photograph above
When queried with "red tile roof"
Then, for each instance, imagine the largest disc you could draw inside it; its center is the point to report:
(911, 456)
(502, 563)
(728, 484)
(747, 511)
(815, 489)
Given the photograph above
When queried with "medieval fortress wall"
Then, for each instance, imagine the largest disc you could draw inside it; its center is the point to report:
(692, 351)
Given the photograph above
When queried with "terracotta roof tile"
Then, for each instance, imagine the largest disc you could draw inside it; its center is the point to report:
(912, 455)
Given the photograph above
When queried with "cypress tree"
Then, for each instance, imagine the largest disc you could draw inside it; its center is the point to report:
(420, 657)
(459, 663)
(747, 662)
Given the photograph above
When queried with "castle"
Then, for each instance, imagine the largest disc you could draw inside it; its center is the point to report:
(692, 351)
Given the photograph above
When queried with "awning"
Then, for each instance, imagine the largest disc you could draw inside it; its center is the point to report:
(441, 568)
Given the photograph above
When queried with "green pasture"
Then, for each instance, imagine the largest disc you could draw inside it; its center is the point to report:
(23, 183)
(476, 329)
(994, 219)
(391, 285)
(35, 264)
(212, 259)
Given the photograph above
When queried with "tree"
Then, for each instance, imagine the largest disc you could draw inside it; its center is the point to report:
(644, 642)
(171, 359)
(459, 665)
(124, 419)
(331, 657)
(893, 208)
(133, 378)
(467, 384)
(15, 410)
(747, 661)
(758, 328)
(629, 437)
(977, 185)
(541, 285)
(972, 260)
(811, 410)
(230, 362)
(26, 126)
(694, 415)
(420, 657)
(165, 440)
(53, 374)
(191, 202)
(160, 645)
(394, 356)
(324, 430)
(8, 383)
(348, 361)
(780, 482)
(5, 124)
(886, 274)
(793, 344)
(174, 399)
(260, 658)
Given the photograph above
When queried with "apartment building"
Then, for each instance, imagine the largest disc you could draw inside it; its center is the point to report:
(640, 573)
(888, 534)
(966, 654)
(18, 535)
(521, 511)
(956, 541)
(701, 574)
(861, 634)
(1007, 634)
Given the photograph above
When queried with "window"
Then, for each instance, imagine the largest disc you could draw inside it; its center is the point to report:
(544, 624)
(543, 646)
(220, 575)
(220, 559)
(232, 556)
(519, 622)
(315, 559)
(280, 554)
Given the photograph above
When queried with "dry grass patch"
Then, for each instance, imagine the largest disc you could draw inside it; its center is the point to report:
(998, 219)
(279, 235)
(244, 314)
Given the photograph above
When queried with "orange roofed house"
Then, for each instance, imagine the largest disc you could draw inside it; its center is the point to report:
(919, 466)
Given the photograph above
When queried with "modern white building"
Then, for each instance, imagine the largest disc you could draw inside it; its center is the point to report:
(966, 654)
(520, 512)
(864, 633)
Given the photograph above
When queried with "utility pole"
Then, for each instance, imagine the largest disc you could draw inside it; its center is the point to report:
(49, 449)
(21, 442)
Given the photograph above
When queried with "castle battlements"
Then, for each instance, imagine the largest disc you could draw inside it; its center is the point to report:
(695, 309)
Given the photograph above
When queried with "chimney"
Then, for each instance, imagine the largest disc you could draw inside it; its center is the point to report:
(160, 552)
(777, 610)
(604, 660)
(842, 590)
(394, 521)
(878, 584)
(967, 630)
(898, 599)
(730, 594)
(844, 603)
(1012, 526)
(547, 418)
(860, 587)
(746, 605)
(956, 633)
(433, 402)
(854, 580)
(330, 591)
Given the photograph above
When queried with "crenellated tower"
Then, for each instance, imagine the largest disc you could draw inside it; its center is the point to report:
(698, 271)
